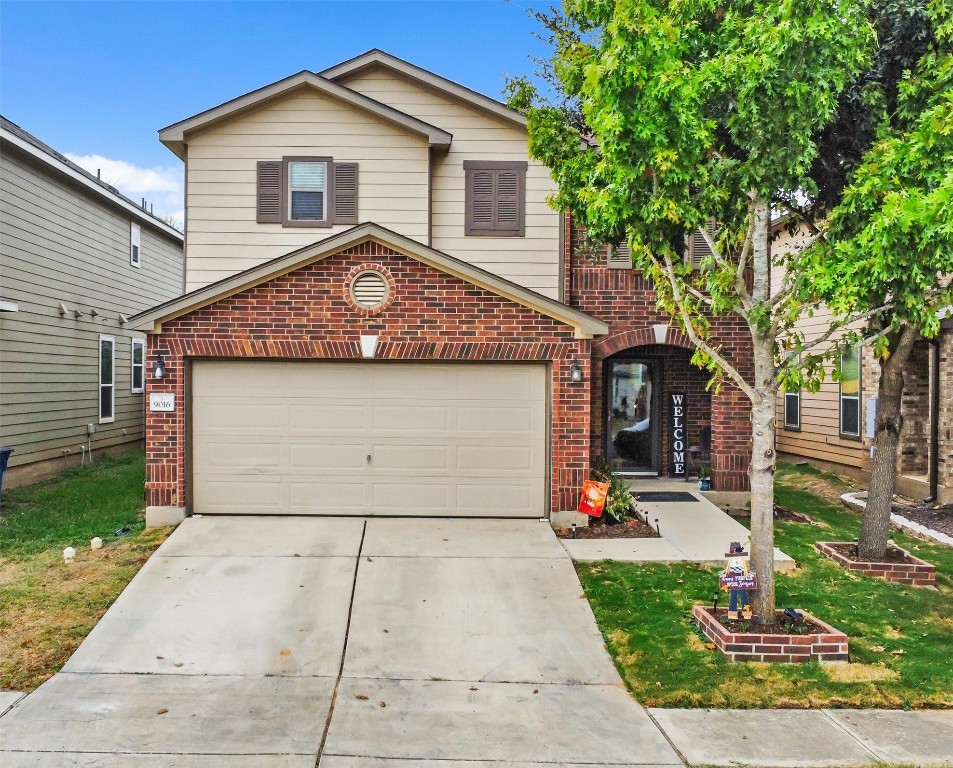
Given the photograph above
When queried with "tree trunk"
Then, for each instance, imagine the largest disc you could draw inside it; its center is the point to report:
(762, 502)
(763, 405)
(887, 427)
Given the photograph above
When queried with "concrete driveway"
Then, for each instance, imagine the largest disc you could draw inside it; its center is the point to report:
(342, 643)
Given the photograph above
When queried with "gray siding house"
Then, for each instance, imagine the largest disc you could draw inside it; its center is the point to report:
(76, 260)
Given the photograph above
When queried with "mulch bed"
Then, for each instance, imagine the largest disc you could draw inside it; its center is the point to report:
(635, 529)
(782, 625)
(894, 555)
(939, 519)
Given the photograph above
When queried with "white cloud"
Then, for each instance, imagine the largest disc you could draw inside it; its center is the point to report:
(160, 186)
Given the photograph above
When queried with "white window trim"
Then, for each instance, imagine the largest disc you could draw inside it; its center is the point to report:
(135, 244)
(132, 367)
(111, 384)
(841, 397)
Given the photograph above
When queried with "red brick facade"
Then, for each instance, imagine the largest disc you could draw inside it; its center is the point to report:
(430, 315)
(308, 314)
(626, 300)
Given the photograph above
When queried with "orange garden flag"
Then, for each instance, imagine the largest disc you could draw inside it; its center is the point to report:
(593, 497)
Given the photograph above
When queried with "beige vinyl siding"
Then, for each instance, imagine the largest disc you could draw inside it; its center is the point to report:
(532, 261)
(819, 435)
(59, 243)
(223, 236)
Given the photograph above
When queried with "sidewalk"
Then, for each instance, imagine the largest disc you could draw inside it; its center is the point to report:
(691, 531)
(805, 738)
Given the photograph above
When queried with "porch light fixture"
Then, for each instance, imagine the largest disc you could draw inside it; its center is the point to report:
(575, 372)
(159, 370)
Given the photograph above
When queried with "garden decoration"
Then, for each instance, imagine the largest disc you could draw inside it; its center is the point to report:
(738, 581)
(593, 499)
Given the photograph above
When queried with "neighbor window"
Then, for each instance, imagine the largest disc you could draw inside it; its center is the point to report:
(306, 192)
(792, 409)
(850, 392)
(135, 244)
(138, 366)
(107, 379)
(495, 194)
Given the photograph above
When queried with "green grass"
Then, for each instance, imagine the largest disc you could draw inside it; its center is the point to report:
(900, 638)
(73, 507)
(47, 607)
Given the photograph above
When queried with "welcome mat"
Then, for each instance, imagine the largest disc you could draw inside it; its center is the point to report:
(653, 496)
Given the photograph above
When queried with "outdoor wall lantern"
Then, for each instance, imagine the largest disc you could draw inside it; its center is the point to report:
(159, 371)
(575, 372)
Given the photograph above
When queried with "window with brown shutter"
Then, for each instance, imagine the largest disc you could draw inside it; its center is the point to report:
(696, 246)
(307, 192)
(495, 198)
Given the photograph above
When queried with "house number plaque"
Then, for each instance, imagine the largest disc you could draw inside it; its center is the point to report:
(678, 416)
(162, 401)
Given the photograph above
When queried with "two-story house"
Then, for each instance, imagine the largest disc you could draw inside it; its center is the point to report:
(77, 260)
(385, 316)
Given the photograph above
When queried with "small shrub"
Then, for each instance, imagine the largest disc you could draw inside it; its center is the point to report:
(619, 501)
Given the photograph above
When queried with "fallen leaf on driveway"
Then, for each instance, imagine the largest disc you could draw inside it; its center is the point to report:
(162, 711)
(382, 704)
(361, 697)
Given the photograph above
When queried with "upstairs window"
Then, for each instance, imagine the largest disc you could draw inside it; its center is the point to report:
(850, 393)
(135, 244)
(306, 192)
(495, 192)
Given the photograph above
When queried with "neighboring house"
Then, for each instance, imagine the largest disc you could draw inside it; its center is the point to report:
(385, 316)
(78, 260)
(834, 427)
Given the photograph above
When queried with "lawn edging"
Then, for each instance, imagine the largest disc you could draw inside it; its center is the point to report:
(914, 573)
(827, 646)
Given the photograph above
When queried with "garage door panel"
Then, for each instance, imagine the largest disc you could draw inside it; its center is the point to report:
(293, 438)
(326, 456)
(327, 497)
(408, 455)
(496, 459)
(340, 417)
(230, 457)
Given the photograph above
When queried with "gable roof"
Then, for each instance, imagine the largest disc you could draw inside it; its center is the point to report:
(152, 319)
(29, 144)
(173, 136)
(378, 58)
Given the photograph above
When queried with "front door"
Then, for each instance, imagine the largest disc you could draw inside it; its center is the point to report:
(633, 415)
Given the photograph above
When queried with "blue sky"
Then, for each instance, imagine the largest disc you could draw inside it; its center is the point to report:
(96, 80)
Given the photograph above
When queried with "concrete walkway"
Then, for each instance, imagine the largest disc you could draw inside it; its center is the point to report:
(344, 643)
(691, 531)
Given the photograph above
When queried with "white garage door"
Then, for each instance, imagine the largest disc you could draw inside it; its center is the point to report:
(385, 438)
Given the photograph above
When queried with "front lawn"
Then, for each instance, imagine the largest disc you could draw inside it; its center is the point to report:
(46, 607)
(900, 638)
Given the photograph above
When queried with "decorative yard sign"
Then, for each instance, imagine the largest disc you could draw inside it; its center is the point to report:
(593, 498)
(162, 401)
(738, 580)
(678, 414)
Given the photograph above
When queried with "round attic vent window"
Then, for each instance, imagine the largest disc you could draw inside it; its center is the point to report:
(369, 289)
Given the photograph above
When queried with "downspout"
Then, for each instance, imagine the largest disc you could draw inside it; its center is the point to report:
(934, 469)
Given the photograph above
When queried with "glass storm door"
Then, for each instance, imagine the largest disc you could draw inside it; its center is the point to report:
(632, 421)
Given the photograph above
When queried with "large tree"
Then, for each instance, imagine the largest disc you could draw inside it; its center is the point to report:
(671, 114)
(888, 242)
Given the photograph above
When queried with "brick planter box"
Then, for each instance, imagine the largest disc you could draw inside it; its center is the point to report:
(916, 573)
(827, 646)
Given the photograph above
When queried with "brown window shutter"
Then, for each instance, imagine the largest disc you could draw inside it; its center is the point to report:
(509, 207)
(269, 192)
(495, 198)
(345, 193)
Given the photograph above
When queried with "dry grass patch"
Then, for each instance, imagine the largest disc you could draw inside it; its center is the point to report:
(859, 673)
(47, 607)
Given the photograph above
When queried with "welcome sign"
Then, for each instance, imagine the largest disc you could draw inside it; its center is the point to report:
(678, 415)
